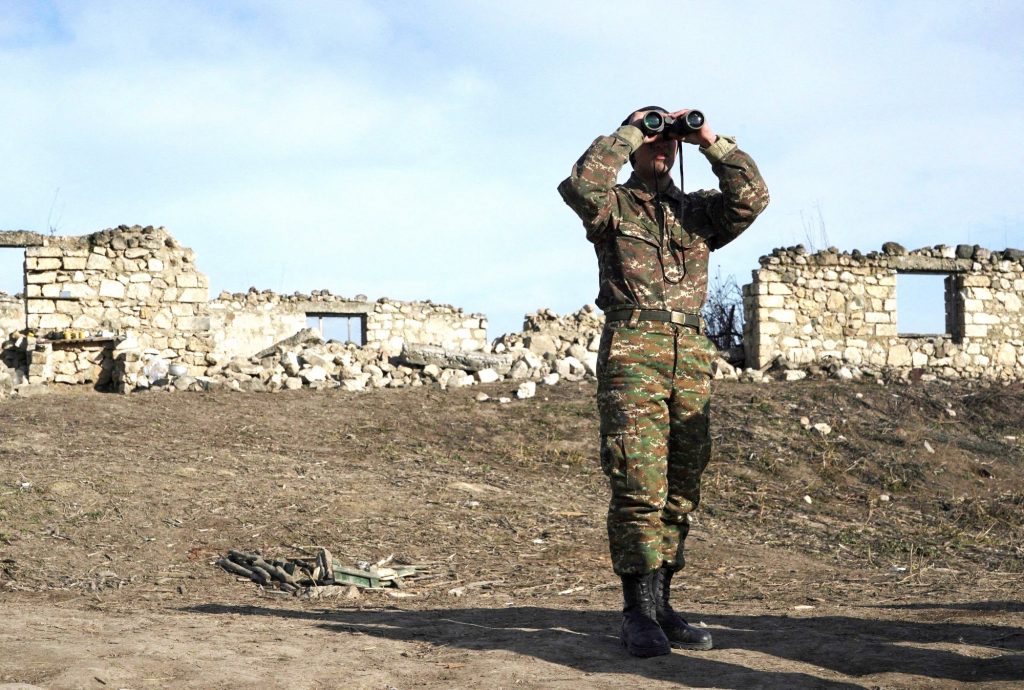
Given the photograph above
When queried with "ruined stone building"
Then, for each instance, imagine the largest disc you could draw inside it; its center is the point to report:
(842, 307)
(96, 308)
(94, 305)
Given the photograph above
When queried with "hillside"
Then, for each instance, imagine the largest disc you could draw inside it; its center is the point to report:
(889, 549)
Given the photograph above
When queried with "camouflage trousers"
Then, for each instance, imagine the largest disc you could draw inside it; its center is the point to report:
(653, 394)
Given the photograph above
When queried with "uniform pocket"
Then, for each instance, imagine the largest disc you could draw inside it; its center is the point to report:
(636, 232)
(613, 455)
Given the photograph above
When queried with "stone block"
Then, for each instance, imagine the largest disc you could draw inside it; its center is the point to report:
(1011, 302)
(50, 251)
(140, 277)
(54, 321)
(899, 356)
(75, 263)
(836, 301)
(186, 280)
(139, 291)
(40, 278)
(112, 288)
(975, 331)
(487, 376)
(41, 306)
(159, 319)
(1006, 355)
(85, 322)
(193, 324)
(68, 306)
(782, 315)
(42, 264)
(98, 262)
(79, 290)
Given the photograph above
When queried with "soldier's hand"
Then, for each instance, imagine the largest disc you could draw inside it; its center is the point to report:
(704, 137)
(635, 119)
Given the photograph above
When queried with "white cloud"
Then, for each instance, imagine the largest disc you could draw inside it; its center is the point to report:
(413, 149)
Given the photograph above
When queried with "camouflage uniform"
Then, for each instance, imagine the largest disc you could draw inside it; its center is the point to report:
(653, 376)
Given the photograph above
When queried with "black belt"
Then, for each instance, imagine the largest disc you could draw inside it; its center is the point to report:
(680, 318)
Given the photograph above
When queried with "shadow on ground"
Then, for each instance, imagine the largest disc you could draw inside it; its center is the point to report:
(588, 642)
(994, 606)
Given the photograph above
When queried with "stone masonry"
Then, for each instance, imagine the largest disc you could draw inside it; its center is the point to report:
(841, 308)
(127, 308)
(99, 308)
(12, 314)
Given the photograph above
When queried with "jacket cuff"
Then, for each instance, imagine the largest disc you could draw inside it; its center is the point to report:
(722, 147)
(631, 135)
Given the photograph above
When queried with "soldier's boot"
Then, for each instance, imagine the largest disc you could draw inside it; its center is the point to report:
(641, 634)
(680, 634)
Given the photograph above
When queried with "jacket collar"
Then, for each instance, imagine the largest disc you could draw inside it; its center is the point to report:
(641, 191)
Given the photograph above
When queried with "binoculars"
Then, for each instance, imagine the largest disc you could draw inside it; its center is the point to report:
(655, 122)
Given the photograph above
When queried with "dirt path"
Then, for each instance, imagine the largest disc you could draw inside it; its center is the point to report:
(273, 644)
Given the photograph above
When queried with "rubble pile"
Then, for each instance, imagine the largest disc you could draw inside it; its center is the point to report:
(306, 361)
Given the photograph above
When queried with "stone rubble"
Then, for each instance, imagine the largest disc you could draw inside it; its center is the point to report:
(810, 316)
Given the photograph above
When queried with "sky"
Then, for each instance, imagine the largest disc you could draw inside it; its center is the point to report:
(412, 149)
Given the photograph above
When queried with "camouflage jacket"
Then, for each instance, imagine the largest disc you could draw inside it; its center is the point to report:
(644, 263)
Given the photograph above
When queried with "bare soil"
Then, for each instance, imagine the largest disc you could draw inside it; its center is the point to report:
(888, 553)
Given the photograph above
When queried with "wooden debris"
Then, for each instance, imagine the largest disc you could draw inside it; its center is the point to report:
(301, 577)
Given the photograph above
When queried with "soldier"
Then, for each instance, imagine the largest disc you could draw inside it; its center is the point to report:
(654, 364)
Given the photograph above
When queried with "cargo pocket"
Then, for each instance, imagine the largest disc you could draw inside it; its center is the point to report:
(613, 455)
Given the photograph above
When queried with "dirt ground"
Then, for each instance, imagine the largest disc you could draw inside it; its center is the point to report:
(888, 553)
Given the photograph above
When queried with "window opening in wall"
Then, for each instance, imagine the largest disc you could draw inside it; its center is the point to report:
(345, 328)
(927, 304)
(12, 270)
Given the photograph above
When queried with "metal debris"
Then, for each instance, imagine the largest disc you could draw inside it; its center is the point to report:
(301, 577)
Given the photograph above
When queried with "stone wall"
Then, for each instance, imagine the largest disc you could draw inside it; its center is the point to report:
(12, 315)
(103, 307)
(391, 324)
(833, 307)
(249, 322)
(128, 289)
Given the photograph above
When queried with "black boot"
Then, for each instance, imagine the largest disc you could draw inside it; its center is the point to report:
(679, 633)
(641, 634)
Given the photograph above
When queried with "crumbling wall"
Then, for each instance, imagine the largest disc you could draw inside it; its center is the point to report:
(116, 294)
(123, 304)
(833, 307)
(12, 315)
(391, 324)
(245, 323)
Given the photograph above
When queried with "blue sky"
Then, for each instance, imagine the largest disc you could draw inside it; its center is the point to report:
(412, 149)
